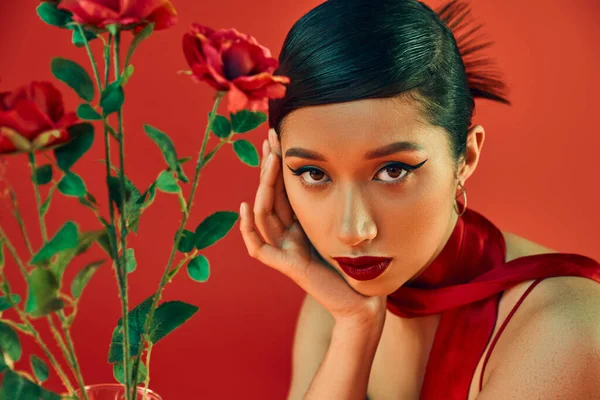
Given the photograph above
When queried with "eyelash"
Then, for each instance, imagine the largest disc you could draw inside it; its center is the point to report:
(408, 168)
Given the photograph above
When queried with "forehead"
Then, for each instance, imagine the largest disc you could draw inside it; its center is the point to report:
(360, 125)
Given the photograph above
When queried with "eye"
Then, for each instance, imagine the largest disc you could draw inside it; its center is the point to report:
(309, 176)
(395, 172)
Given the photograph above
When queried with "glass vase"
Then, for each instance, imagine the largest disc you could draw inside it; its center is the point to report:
(116, 391)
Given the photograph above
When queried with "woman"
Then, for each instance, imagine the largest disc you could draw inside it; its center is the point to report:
(409, 292)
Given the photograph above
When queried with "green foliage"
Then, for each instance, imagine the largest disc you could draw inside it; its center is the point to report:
(214, 228)
(44, 287)
(187, 241)
(127, 74)
(75, 76)
(66, 238)
(50, 14)
(83, 277)
(167, 183)
(9, 342)
(16, 387)
(199, 268)
(246, 152)
(78, 40)
(135, 202)
(85, 111)
(119, 373)
(245, 120)
(72, 185)
(39, 367)
(130, 262)
(167, 317)
(5, 304)
(140, 37)
(168, 150)
(46, 204)
(42, 174)
(83, 137)
(85, 241)
(221, 126)
(112, 98)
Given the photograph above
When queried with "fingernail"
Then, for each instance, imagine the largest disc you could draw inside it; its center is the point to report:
(242, 210)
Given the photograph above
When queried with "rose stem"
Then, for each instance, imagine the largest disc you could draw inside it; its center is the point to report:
(164, 279)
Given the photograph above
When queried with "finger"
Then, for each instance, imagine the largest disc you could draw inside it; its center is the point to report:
(266, 150)
(267, 221)
(282, 206)
(274, 142)
(255, 245)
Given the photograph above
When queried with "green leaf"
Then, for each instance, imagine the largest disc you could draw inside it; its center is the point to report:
(167, 183)
(199, 268)
(168, 316)
(9, 342)
(112, 98)
(130, 262)
(246, 152)
(83, 277)
(141, 36)
(137, 319)
(168, 149)
(213, 228)
(83, 137)
(66, 238)
(73, 75)
(43, 174)
(52, 15)
(245, 120)
(72, 185)
(119, 373)
(30, 304)
(39, 367)
(221, 126)
(127, 74)
(44, 207)
(45, 287)
(5, 304)
(85, 111)
(85, 241)
(77, 39)
(187, 241)
(16, 387)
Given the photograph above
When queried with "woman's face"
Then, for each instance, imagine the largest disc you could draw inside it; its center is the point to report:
(361, 205)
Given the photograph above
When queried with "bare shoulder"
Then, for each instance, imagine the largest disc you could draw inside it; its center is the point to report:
(552, 344)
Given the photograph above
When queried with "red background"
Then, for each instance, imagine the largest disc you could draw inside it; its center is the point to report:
(538, 177)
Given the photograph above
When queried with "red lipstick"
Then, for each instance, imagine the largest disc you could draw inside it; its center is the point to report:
(363, 268)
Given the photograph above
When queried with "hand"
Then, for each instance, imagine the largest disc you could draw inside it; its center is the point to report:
(273, 236)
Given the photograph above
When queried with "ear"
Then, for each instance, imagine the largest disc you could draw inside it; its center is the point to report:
(475, 139)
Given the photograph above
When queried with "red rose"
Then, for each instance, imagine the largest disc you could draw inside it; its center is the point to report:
(99, 13)
(231, 61)
(36, 113)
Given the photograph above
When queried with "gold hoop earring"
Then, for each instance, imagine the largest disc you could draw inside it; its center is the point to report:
(463, 192)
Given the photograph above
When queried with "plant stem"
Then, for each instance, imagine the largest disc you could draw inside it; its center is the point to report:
(38, 201)
(164, 279)
(73, 354)
(14, 253)
(123, 272)
(91, 56)
(147, 382)
(19, 218)
(61, 343)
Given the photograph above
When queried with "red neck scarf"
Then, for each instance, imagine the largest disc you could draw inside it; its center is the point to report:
(465, 283)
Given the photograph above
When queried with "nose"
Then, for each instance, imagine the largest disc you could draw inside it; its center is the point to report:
(355, 224)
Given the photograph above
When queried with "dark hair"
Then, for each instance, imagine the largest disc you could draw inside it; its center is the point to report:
(346, 50)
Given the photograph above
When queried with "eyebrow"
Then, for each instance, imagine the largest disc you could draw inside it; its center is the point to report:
(379, 152)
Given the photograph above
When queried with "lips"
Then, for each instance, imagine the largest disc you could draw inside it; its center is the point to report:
(363, 268)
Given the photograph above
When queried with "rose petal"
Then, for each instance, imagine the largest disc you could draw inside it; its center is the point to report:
(26, 119)
(236, 100)
(92, 12)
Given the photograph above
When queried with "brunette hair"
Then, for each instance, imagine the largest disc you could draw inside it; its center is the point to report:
(345, 50)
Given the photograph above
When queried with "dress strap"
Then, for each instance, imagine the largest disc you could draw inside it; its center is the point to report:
(504, 324)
